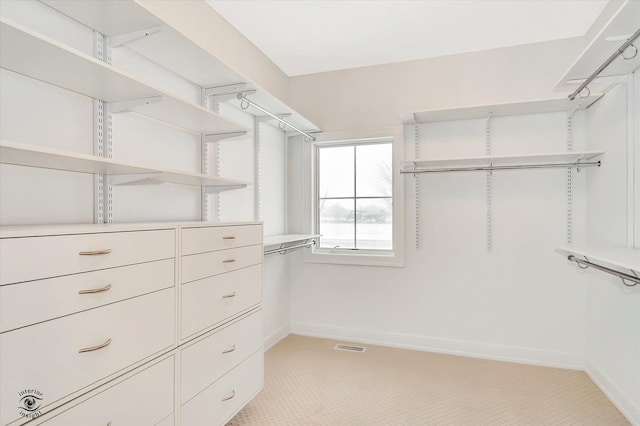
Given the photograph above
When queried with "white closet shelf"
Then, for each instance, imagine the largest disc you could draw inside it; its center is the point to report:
(121, 173)
(59, 65)
(515, 161)
(274, 240)
(619, 258)
(498, 110)
(613, 34)
(170, 49)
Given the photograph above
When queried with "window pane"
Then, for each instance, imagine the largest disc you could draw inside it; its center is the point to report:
(336, 223)
(335, 168)
(373, 170)
(374, 224)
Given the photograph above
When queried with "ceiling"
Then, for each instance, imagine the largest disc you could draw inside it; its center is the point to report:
(311, 36)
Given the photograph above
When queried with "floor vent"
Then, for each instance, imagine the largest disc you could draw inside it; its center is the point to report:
(350, 348)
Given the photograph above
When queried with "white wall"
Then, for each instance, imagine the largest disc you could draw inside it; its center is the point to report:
(613, 310)
(517, 302)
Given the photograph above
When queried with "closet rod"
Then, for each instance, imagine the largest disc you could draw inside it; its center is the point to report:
(515, 167)
(618, 52)
(635, 279)
(243, 98)
(283, 250)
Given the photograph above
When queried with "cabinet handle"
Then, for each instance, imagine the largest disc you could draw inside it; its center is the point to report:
(228, 261)
(230, 295)
(95, 290)
(95, 348)
(233, 393)
(94, 252)
(233, 348)
(229, 238)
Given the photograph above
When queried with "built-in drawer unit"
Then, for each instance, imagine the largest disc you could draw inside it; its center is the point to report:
(61, 356)
(222, 399)
(144, 398)
(32, 258)
(209, 358)
(198, 266)
(212, 300)
(213, 238)
(36, 301)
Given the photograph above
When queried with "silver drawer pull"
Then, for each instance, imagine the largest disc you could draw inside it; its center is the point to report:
(233, 393)
(233, 348)
(228, 261)
(94, 252)
(229, 238)
(96, 290)
(230, 295)
(95, 348)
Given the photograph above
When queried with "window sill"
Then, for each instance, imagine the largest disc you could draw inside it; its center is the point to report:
(392, 260)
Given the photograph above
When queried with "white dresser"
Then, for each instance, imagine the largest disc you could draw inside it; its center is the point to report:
(96, 317)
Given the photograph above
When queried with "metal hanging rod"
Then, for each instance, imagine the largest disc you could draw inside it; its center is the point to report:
(624, 277)
(514, 167)
(620, 51)
(245, 102)
(283, 249)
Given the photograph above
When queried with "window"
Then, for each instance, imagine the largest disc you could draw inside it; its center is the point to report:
(354, 197)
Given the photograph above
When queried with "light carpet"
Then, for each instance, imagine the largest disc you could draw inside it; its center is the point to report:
(308, 382)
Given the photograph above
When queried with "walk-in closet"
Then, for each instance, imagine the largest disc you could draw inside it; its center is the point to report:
(236, 213)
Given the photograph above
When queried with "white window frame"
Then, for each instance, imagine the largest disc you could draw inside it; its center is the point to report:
(393, 257)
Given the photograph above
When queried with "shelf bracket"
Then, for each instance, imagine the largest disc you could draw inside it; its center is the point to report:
(122, 106)
(122, 39)
(227, 92)
(137, 179)
(217, 137)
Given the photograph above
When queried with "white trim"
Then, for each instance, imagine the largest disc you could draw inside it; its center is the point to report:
(523, 355)
(272, 339)
(622, 401)
(396, 134)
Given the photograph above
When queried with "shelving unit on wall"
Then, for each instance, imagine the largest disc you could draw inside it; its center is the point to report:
(284, 243)
(489, 163)
(147, 35)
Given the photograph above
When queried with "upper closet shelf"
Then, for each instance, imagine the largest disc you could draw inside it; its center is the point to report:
(57, 64)
(498, 110)
(622, 25)
(171, 49)
(504, 162)
(121, 173)
(619, 261)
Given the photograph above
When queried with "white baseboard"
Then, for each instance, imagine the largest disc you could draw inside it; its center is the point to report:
(517, 354)
(622, 401)
(276, 336)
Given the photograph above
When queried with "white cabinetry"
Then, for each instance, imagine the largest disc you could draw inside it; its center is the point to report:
(93, 316)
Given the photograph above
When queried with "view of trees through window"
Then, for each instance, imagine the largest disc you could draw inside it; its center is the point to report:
(354, 203)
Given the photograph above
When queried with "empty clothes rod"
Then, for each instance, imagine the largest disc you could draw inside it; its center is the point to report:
(586, 263)
(283, 248)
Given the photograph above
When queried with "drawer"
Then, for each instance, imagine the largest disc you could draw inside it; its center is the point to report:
(198, 266)
(46, 356)
(211, 300)
(25, 259)
(223, 399)
(208, 359)
(36, 301)
(120, 404)
(212, 238)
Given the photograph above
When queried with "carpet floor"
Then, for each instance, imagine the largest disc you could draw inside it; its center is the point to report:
(309, 382)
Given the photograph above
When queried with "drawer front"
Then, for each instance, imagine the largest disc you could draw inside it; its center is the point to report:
(46, 356)
(211, 300)
(143, 399)
(212, 238)
(223, 399)
(25, 259)
(198, 266)
(36, 301)
(208, 359)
